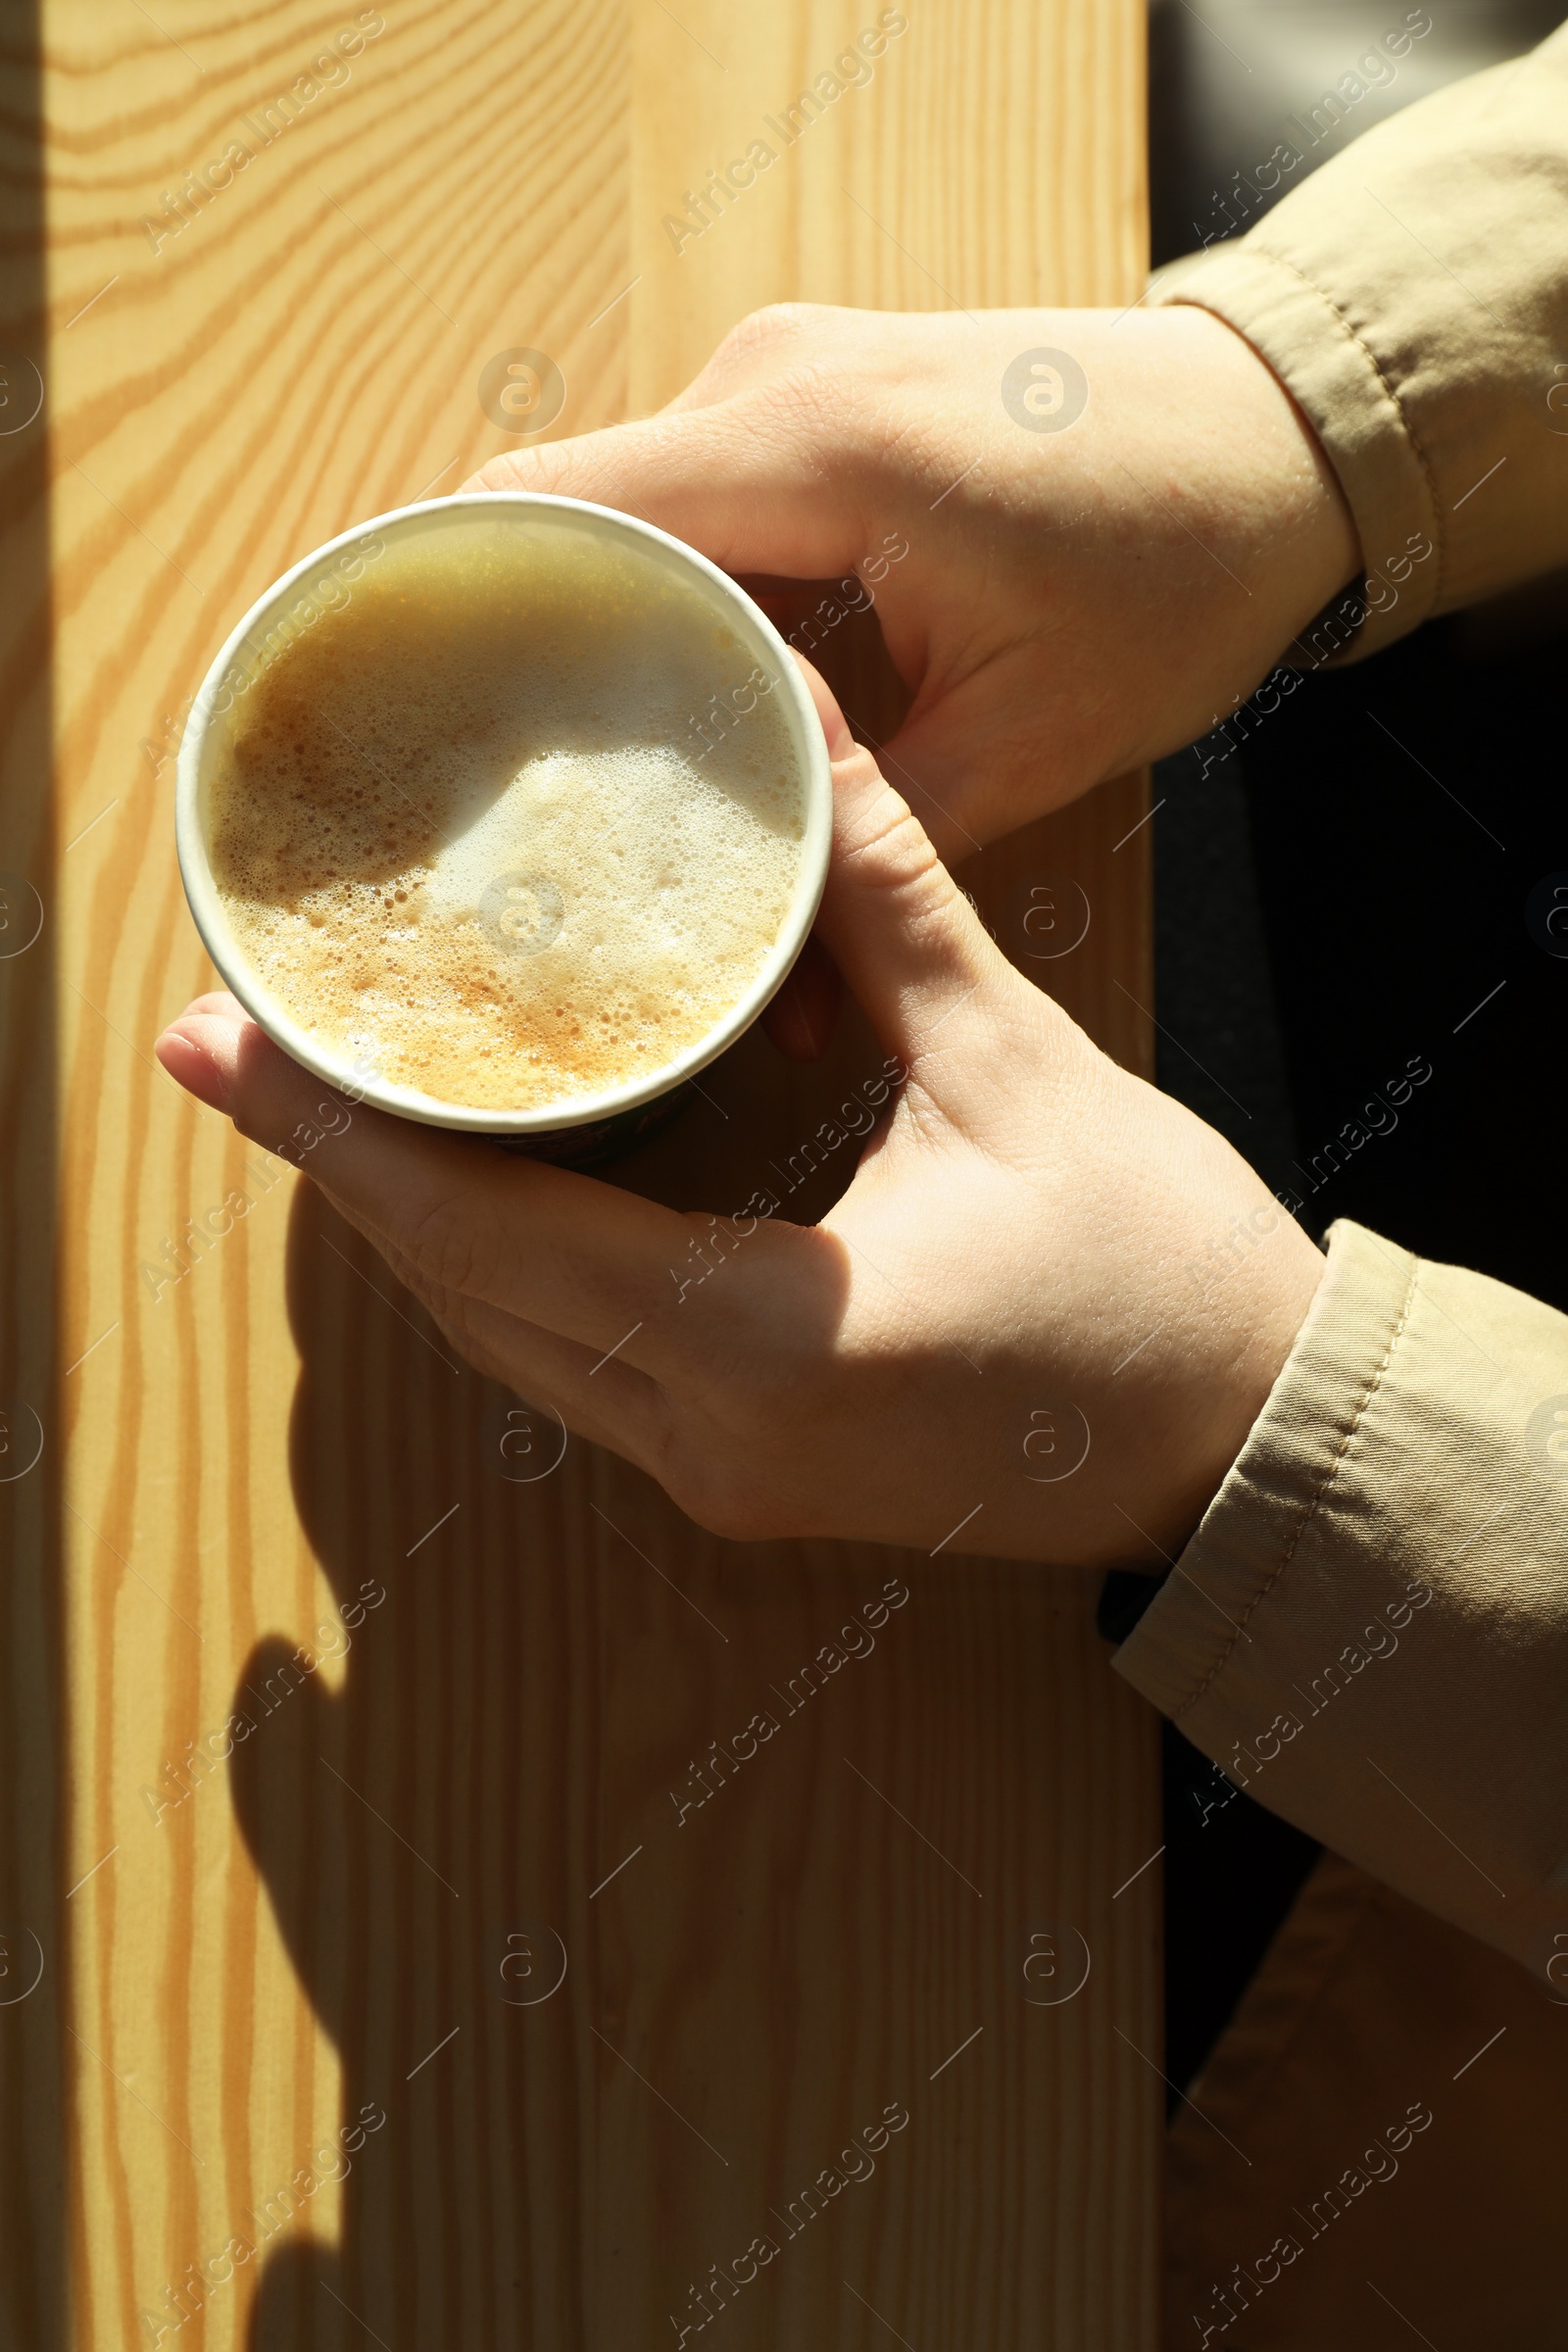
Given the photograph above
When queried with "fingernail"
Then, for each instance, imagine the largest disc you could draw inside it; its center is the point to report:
(193, 1069)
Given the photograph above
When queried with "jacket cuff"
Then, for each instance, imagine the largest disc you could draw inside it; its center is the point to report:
(1412, 295)
(1333, 377)
(1201, 1622)
(1369, 1630)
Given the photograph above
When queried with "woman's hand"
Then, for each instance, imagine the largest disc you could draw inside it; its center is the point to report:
(1066, 600)
(1040, 1322)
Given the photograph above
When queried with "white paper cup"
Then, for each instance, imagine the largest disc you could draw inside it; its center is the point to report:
(580, 1127)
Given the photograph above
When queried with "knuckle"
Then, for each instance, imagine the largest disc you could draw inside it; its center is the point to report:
(888, 850)
(790, 355)
(726, 1507)
(718, 1480)
(508, 471)
(446, 1248)
(735, 1483)
(774, 324)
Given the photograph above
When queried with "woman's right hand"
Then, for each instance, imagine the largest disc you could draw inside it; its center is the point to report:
(1068, 589)
(1042, 1317)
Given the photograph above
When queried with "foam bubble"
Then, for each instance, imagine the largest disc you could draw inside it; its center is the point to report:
(480, 825)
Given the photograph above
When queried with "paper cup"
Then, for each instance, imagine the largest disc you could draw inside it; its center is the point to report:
(583, 1128)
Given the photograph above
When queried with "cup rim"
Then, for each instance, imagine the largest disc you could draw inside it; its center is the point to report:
(408, 1102)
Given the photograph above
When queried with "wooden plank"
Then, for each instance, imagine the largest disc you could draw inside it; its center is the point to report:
(258, 1451)
(892, 196)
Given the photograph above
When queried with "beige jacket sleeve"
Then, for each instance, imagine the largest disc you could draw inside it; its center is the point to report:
(1413, 296)
(1369, 1630)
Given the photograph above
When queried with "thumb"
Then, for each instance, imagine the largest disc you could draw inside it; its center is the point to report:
(908, 944)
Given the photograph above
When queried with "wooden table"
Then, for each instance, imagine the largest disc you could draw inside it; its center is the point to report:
(242, 1478)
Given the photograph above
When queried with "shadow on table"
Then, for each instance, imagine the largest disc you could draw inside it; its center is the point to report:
(34, 1938)
(384, 1794)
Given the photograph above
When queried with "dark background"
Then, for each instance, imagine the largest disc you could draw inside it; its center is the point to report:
(1340, 892)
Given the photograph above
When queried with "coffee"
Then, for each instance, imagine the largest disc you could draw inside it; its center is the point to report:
(513, 819)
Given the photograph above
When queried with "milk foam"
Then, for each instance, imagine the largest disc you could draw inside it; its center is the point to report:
(466, 830)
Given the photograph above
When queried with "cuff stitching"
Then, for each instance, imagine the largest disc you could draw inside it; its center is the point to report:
(1408, 429)
(1190, 290)
(1324, 1483)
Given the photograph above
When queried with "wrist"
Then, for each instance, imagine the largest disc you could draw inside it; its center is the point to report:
(1236, 1343)
(1310, 549)
(1251, 1340)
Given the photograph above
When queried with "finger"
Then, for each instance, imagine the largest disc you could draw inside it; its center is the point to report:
(755, 484)
(802, 1016)
(610, 1403)
(908, 944)
(582, 1259)
(183, 1059)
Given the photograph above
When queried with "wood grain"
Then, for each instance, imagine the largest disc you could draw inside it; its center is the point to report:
(257, 1449)
(33, 2153)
